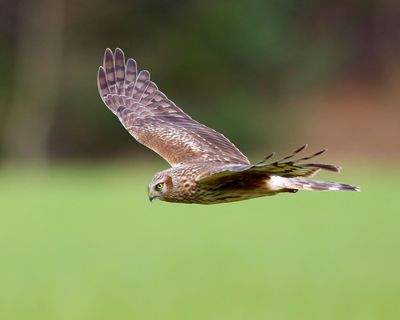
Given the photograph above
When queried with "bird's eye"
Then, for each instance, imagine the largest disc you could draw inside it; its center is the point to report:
(159, 186)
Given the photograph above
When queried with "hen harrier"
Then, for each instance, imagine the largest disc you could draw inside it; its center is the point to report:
(206, 168)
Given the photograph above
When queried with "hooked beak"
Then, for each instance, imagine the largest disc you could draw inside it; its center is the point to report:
(152, 196)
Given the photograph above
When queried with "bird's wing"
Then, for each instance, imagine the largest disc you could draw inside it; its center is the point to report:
(282, 168)
(154, 120)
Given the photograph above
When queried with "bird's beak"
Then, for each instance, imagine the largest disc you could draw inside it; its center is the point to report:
(151, 196)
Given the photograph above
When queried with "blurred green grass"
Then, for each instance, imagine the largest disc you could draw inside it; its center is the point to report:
(79, 242)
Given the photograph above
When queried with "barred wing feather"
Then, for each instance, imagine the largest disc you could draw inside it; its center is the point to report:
(155, 121)
(282, 168)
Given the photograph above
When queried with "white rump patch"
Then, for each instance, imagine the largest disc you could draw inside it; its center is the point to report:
(276, 183)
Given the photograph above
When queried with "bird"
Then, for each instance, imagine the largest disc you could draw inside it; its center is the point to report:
(206, 168)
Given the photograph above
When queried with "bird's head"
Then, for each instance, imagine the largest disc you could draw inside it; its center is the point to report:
(160, 187)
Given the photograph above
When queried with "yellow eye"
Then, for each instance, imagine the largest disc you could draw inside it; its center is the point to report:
(159, 186)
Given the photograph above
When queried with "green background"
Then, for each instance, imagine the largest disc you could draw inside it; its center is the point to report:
(85, 243)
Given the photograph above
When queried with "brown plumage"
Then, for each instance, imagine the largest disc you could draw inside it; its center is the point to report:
(206, 167)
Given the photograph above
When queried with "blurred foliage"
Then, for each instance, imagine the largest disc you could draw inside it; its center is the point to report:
(245, 68)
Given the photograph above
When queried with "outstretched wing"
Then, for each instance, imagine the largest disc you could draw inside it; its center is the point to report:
(282, 168)
(154, 120)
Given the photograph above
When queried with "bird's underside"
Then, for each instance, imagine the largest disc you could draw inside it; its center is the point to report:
(206, 167)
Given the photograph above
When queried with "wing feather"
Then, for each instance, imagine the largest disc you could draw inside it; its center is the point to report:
(154, 120)
(282, 168)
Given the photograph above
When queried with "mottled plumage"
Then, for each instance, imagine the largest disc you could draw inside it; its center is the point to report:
(206, 167)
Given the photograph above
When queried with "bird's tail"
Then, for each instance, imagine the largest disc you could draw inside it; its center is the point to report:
(277, 183)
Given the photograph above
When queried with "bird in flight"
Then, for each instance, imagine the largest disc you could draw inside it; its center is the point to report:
(206, 168)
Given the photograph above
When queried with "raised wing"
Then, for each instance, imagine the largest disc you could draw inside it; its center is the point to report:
(154, 120)
(282, 168)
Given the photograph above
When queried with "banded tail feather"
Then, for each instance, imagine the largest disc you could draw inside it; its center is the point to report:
(279, 183)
